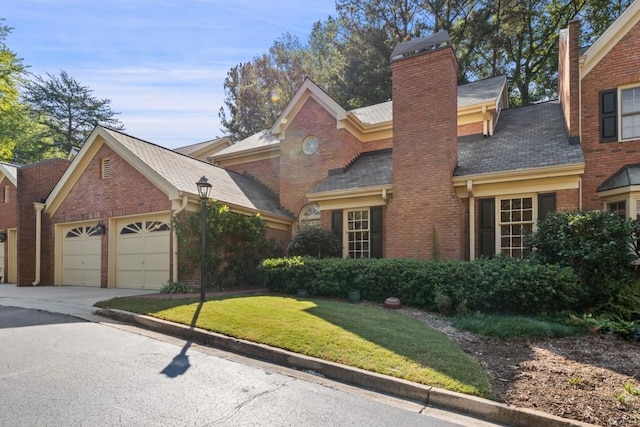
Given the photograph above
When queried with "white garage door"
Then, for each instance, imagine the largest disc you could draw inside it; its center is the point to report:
(142, 253)
(2, 276)
(81, 255)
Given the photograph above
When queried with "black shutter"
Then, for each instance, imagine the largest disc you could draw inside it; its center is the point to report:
(336, 224)
(375, 235)
(609, 115)
(546, 204)
(487, 227)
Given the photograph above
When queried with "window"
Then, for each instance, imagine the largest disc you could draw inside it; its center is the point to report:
(106, 168)
(516, 220)
(630, 112)
(310, 216)
(619, 115)
(618, 208)
(358, 233)
(5, 194)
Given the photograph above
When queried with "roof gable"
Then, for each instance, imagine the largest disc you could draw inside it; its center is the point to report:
(306, 90)
(611, 37)
(173, 173)
(10, 172)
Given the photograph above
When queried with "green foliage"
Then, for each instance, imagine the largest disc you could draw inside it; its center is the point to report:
(594, 244)
(499, 285)
(315, 242)
(607, 323)
(67, 109)
(176, 288)
(235, 244)
(506, 327)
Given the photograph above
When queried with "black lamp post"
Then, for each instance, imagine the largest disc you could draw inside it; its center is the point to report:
(204, 188)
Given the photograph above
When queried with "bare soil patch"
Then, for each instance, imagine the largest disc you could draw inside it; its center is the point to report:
(581, 378)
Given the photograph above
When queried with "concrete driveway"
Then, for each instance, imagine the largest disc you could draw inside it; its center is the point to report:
(75, 301)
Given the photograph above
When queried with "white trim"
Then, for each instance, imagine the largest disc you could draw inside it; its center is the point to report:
(610, 38)
(498, 223)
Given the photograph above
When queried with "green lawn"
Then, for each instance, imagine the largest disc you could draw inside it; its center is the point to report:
(357, 335)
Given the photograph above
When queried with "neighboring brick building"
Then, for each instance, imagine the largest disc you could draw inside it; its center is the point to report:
(442, 171)
(8, 222)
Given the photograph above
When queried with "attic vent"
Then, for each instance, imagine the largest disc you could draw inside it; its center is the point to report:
(106, 168)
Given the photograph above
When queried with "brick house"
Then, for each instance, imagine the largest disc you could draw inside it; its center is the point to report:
(8, 222)
(442, 171)
(110, 212)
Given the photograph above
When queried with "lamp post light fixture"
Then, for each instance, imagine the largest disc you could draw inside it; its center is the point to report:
(204, 188)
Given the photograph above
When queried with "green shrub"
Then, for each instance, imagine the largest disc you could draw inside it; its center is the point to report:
(498, 285)
(176, 288)
(315, 242)
(594, 243)
(236, 244)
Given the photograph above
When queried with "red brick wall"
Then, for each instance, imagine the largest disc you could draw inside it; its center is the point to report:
(266, 171)
(8, 219)
(621, 66)
(300, 172)
(470, 129)
(424, 204)
(380, 144)
(35, 182)
(127, 192)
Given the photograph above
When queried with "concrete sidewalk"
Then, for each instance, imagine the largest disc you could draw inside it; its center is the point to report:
(74, 301)
(79, 301)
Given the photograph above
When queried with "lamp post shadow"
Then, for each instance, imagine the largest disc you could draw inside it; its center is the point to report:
(180, 364)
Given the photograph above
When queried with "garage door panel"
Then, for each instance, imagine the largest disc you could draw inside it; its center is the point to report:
(142, 253)
(81, 256)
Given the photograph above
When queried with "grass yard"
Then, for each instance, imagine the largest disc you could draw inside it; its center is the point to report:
(362, 336)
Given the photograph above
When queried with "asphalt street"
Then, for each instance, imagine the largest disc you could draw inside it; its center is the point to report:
(60, 370)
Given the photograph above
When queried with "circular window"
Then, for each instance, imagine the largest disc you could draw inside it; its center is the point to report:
(310, 145)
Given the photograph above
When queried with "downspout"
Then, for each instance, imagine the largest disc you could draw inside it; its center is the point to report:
(580, 193)
(472, 221)
(174, 238)
(38, 207)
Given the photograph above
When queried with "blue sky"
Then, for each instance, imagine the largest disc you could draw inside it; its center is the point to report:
(162, 63)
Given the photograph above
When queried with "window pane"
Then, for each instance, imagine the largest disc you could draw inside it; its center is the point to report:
(631, 126)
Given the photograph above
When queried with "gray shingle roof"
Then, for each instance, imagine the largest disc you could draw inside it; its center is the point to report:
(372, 169)
(478, 92)
(481, 91)
(524, 138)
(182, 172)
(263, 138)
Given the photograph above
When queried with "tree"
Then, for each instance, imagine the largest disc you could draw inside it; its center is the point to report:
(12, 114)
(257, 91)
(67, 109)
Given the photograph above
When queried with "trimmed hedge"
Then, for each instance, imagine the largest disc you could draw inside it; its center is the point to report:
(496, 285)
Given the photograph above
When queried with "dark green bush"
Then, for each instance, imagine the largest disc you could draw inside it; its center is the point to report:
(315, 242)
(498, 285)
(594, 243)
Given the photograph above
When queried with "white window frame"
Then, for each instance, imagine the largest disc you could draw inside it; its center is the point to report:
(307, 219)
(361, 244)
(499, 223)
(608, 204)
(622, 115)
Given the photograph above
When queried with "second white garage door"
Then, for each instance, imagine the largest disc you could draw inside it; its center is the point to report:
(142, 253)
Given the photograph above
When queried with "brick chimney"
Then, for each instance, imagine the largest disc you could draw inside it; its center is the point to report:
(568, 78)
(425, 217)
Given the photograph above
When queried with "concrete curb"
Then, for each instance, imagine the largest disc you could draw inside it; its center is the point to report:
(481, 408)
